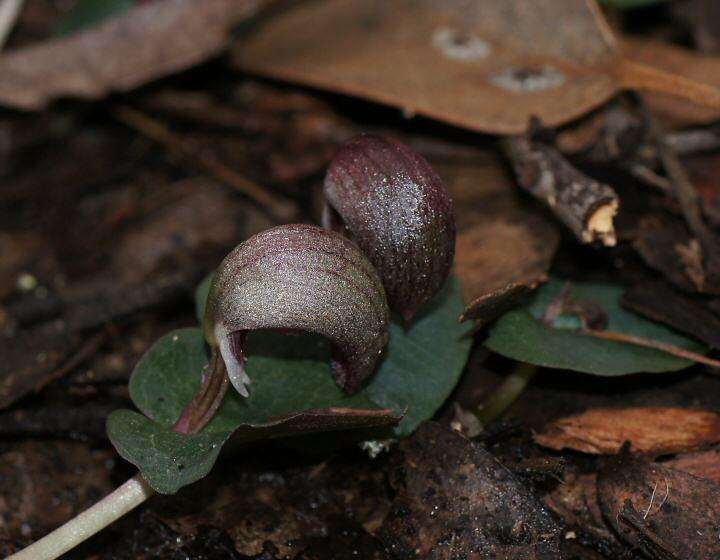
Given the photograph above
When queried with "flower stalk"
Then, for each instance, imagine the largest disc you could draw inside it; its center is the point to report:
(108, 510)
(208, 399)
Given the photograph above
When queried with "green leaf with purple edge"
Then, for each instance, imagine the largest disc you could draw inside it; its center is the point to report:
(422, 363)
(168, 375)
(290, 380)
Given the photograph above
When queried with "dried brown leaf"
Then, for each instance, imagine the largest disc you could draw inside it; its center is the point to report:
(659, 302)
(487, 65)
(703, 464)
(668, 514)
(152, 40)
(654, 431)
(575, 501)
(666, 246)
(455, 500)
(491, 305)
(197, 218)
(500, 241)
(675, 112)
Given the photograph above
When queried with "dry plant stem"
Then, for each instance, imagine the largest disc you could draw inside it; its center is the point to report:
(206, 402)
(108, 510)
(9, 12)
(689, 200)
(157, 131)
(654, 344)
(694, 140)
(506, 394)
(649, 177)
(586, 206)
(679, 180)
(636, 76)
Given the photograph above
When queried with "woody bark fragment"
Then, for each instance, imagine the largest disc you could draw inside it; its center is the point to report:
(586, 206)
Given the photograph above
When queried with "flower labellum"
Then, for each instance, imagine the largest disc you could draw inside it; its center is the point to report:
(299, 277)
(398, 212)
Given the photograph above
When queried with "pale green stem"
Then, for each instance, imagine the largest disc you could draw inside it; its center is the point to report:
(111, 508)
(506, 393)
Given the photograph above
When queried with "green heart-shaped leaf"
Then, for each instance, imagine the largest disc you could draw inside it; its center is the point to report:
(169, 461)
(422, 363)
(520, 335)
(290, 375)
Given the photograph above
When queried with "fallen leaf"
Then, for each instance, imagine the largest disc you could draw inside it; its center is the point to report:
(148, 42)
(673, 111)
(667, 514)
(199, 219)
(575, 501)
(687, 314)
(501, 241)
(655, 431)
(455, 500)
(703, 464)
(488, 66)
(666, 246)
(488, 307)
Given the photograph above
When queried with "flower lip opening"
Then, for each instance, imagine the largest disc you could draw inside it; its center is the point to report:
(231, 345)
(298, 278)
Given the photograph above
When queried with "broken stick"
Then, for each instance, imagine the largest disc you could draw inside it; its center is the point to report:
(586, 206)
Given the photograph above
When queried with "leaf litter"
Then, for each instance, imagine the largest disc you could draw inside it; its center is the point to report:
(459, 63)
(100, 183)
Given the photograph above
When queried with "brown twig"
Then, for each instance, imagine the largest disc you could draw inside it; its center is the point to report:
(638, 76)
(654, 344)
(688, 199)
(157, 131)
(648, 176)
(679, 180)
(693, 140)
(651, 542)
(586, 206)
